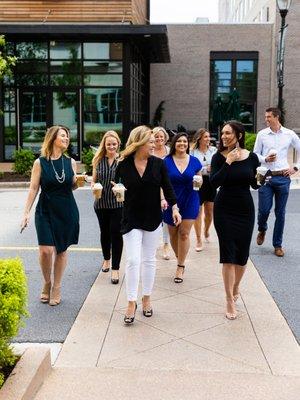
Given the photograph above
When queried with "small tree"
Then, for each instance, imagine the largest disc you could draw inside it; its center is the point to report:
(6, 61)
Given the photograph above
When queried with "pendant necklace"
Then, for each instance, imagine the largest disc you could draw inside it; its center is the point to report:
(61, 178)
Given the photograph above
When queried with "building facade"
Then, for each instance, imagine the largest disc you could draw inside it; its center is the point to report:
(110, 69)
(83, 67)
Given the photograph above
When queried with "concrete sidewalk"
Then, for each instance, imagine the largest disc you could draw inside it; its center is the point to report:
(187, 349)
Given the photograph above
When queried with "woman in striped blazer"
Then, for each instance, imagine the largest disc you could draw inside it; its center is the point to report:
(107, 209)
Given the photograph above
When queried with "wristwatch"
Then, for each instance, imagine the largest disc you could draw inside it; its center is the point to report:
(296, 169)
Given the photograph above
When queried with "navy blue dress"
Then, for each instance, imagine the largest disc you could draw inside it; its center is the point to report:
(56, 214)
(187, 198)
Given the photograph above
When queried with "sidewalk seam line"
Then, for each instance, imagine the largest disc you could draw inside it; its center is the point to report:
(254, 331)
(110, 319)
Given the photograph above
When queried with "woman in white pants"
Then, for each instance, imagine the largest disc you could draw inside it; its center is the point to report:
(143, 175)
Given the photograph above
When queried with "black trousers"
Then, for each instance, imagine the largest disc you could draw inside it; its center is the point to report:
(110, 237)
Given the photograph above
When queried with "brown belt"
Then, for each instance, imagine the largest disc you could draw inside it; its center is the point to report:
(275, 173)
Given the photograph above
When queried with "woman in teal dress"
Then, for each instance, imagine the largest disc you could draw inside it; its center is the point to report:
(56, 214)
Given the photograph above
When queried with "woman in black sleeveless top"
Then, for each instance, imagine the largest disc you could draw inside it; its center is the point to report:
(56, 215)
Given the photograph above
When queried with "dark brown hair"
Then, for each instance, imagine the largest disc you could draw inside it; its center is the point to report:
(239, 131)
(175, 139)
(275, 111)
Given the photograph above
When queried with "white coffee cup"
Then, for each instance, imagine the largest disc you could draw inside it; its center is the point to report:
(97, 190)
(260, 175)
(119, 191)
(197, 182)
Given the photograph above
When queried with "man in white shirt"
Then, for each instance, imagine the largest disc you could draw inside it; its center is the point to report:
(272, 146)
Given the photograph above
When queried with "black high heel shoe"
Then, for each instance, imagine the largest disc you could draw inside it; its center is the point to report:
(147, 313)
(130, 320)
(179, 280)
(114, 281)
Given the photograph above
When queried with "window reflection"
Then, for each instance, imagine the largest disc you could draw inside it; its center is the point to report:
(65, 50)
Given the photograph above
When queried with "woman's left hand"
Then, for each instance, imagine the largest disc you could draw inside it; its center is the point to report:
(176, 217)
(164, 204)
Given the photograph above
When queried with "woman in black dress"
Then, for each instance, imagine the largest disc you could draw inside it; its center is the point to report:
(56, 214)
(107, 209)
(143, 176)
(233, 169)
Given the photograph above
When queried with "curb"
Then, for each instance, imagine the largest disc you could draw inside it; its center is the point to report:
(12, 185)
(28, 375)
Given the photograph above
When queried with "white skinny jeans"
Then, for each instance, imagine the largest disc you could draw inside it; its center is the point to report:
(140, 249)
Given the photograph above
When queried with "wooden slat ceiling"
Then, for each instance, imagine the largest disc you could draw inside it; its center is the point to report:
(73, 11)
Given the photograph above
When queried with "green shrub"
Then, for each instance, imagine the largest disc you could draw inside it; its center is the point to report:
(24, 160)
(87, 157)
(250, 141)
(13, 307)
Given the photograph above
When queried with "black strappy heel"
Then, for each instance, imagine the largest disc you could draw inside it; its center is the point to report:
(130, 320)
(179, 280)
(147, 313)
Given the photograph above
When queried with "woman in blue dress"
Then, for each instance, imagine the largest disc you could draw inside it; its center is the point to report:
(181, 168)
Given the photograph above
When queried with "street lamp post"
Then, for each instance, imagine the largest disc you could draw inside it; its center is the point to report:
(283, 8)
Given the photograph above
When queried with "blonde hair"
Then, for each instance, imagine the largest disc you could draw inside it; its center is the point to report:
(198, 136)
(100, 153)
(161, 129)
(49, 139)
(137, 138)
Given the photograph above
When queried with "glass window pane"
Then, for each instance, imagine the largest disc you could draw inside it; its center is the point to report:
(36, 50)
(62, 50)
(29, 67)
(223, 66)
(10, 135)
(65, 105)
(101, 112)
(245, 66)
(65, 80)
(32, 80)
(104, 51)
(9, 100)
(33, 119)
(100, 67)
(103, 80)
(65, 67)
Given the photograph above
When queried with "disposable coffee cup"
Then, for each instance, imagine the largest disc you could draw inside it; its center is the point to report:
(197, 182)
(260, 175)
(97, 190)
(80, 180)
(119, 190)
(272, 152)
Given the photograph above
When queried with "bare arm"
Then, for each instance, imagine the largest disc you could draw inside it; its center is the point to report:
(33, 191)
(74, 167)
(94, 177)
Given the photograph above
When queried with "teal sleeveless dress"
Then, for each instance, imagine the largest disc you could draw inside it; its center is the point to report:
(56, 214)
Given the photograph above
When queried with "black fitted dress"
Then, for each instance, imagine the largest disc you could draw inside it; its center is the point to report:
(234, 209)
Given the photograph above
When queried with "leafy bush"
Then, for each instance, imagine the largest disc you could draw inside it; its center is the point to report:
(13, 307)
(250, 141)
(24, 160)
(87, 157)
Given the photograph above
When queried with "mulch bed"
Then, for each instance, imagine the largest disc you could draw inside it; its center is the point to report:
(13, 177)
(8, 369)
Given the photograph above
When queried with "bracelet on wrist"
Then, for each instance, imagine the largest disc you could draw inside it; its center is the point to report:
(162, 199)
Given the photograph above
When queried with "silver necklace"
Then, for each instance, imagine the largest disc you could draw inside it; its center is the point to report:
(61, 178)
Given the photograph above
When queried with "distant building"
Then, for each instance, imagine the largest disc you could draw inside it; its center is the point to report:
(245, 11)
